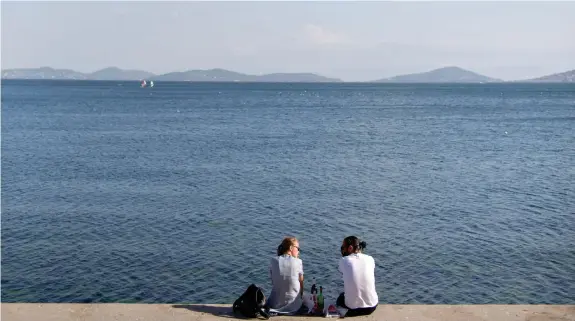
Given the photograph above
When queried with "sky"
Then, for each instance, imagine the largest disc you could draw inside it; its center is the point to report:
(354, 41)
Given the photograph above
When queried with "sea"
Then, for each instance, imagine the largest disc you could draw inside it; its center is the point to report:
(464, 193)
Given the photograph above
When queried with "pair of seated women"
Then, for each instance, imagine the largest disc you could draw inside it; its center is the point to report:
(357, 269)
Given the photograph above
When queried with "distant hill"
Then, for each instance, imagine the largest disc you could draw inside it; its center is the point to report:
(295, 77)
(114, 73)
(42, 73)
(441, 75)
(203, 75)
(568, 76)
(111, 73)
(222, 75)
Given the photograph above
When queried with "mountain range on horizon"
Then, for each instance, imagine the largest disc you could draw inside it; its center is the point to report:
(450, 74)
(115, 73)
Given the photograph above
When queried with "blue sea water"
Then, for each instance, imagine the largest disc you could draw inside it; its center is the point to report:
(182, 192)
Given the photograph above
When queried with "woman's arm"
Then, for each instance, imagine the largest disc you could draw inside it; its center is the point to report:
(301, 279)
(301, 285)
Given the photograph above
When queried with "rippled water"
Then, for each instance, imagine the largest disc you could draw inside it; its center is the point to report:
(181, 193)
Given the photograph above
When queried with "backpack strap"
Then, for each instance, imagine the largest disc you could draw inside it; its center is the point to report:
(261, 312)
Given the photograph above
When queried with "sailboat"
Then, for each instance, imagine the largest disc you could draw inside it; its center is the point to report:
(143, 83)
(151, 83)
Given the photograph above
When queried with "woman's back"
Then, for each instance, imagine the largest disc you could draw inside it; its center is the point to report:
(285, 271)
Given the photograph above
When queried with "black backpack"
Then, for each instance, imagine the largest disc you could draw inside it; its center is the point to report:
(251, 304)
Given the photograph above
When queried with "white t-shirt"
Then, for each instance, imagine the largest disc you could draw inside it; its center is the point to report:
(358, 272)
(285, 271)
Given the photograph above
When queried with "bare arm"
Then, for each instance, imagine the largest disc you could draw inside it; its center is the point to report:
(301, 285)
(301, 281)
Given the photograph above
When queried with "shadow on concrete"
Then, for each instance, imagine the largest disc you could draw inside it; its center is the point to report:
(219, 311)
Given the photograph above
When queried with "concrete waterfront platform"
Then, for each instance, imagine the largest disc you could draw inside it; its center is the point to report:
(214, 312)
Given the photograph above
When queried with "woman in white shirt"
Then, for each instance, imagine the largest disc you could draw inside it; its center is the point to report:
(358, 271)
(286, 272)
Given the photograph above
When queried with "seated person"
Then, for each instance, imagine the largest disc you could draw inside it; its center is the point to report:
(359, 296)
(286, 272)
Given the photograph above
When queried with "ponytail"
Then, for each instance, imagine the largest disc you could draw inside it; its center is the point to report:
(355, 243)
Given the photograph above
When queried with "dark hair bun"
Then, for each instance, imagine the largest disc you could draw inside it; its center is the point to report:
(362, 245)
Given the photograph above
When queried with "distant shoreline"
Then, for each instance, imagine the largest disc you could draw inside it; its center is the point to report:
(290, 82)
(450, 74)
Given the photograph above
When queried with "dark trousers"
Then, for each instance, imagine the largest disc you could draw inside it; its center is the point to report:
(353, 312)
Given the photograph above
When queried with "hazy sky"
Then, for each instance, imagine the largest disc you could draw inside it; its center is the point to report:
(350, 40)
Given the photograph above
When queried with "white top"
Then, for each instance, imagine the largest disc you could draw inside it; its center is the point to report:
(285, 271)
(358, 272)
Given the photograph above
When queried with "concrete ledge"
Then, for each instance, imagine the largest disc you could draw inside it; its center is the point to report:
(200, 312)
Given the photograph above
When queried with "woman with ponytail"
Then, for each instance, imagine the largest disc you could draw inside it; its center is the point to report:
(359, 296)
